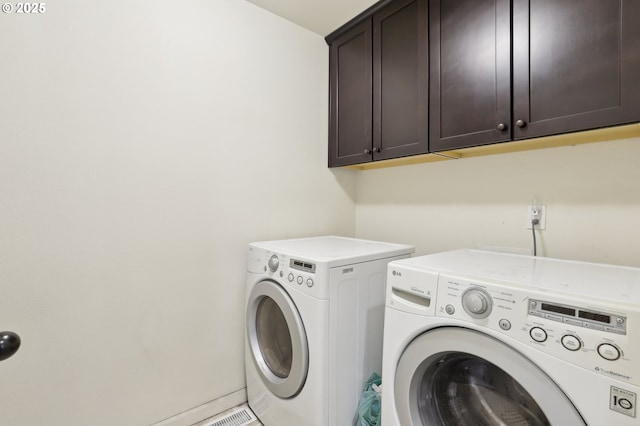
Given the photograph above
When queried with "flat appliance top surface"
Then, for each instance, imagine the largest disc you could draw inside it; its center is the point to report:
(607, 282)
(334, 250)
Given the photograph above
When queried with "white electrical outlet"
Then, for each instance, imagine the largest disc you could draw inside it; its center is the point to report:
(537, 212)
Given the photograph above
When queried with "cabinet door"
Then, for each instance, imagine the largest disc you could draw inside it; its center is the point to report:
(400, 80)
(350, 69)
(576, 65)
(470, 61)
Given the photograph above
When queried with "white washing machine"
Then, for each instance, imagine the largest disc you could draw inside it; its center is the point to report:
(314, 325)
(481, 338)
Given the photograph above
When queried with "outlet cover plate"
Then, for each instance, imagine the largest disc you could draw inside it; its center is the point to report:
(543, 217)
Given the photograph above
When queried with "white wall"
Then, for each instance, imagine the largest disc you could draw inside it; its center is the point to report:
(143, 145)
(592, 194)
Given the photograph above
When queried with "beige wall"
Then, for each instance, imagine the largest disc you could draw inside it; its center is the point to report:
(592, 194)
(143, 144)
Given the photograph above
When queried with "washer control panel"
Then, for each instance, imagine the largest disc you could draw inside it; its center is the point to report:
(578, 316)
(593, 335)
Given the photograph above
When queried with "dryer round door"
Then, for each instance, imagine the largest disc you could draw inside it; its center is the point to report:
(277, 339)
(458, 376)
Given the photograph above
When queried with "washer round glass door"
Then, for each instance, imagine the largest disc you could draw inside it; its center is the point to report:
(277, 339)
(457, 376)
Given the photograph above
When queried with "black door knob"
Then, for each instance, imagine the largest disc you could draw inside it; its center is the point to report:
(9, 344)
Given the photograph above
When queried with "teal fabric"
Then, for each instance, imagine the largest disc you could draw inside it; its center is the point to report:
(369, 406)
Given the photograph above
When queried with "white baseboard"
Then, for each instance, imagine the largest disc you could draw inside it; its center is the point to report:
(206, 410)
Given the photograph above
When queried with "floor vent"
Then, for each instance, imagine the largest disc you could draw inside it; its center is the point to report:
(240, 416)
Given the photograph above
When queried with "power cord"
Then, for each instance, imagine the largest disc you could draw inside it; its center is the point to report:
(534, 222)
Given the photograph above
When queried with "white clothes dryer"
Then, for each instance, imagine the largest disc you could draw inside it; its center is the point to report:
(481, 338)
(314, 325)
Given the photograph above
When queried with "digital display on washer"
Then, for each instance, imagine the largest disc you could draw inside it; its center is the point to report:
(576, 316)
(594, 317)
(558, 309)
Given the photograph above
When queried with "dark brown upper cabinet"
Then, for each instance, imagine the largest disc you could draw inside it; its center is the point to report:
(350, 98)
(470, 60)
(379, 84)
(503, 70)
(576, 65)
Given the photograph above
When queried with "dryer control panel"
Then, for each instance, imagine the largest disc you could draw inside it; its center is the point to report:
(298, 273)
(584, 332)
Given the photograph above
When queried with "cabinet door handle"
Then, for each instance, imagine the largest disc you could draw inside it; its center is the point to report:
(376, 149)
(521, 123)
(367, 151)
(9, 344)
(501, 126)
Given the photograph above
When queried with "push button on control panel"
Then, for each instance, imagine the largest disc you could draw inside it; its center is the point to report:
(299, 280)
(538, 334)
(553, 317)
(309, 282)
(290, 277)
(609, 351)
(593, 326)
(571, 342)
(504, 324)
(572, 322)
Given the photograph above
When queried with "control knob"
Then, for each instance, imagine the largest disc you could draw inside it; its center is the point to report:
(274, 262)
(477, 302)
